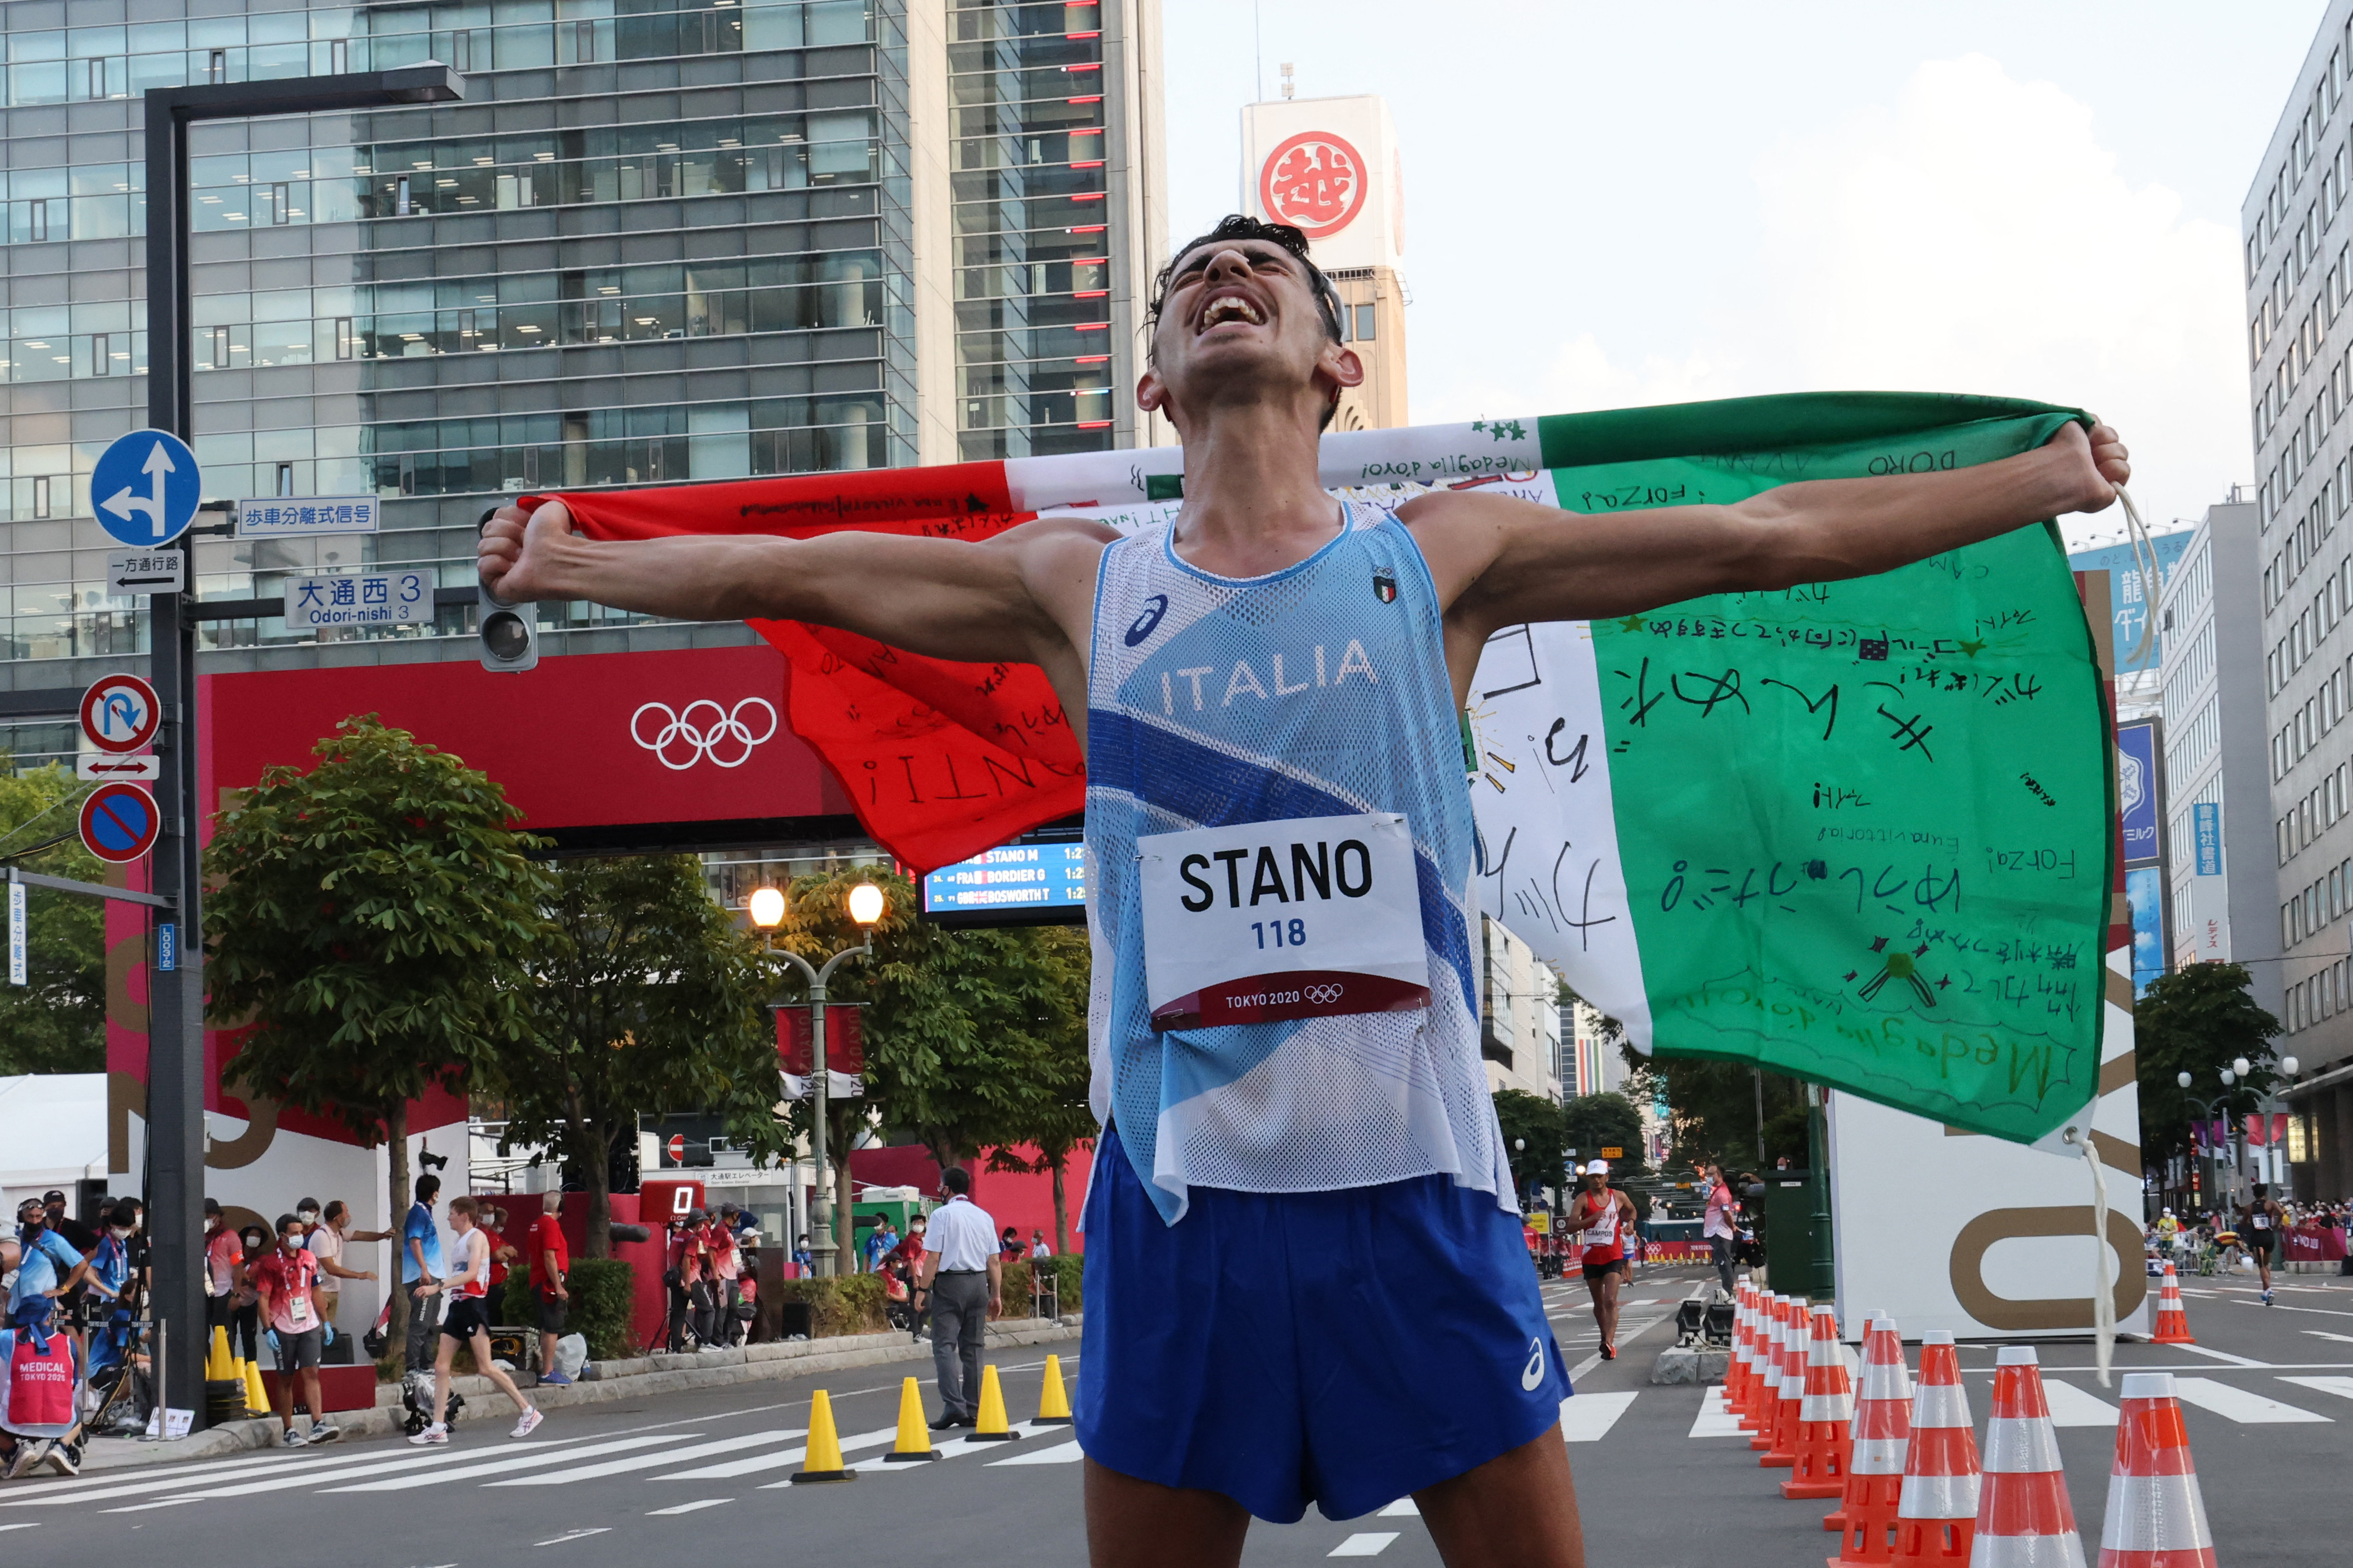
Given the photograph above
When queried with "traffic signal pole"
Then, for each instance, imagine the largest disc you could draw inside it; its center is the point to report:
(176, 1073)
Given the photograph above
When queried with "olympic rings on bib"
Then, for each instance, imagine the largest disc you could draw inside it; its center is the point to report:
(682, 740)
(1322, 994)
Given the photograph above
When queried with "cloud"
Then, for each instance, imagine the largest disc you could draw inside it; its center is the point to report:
(1972, 235)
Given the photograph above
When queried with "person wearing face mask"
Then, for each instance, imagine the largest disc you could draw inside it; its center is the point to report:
(245, 1304)
(324, 1237)
(283, 1280)
(48, 1268)
(220, 1268)
(105, 1317)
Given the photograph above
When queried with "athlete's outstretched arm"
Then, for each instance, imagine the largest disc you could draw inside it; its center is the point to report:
(1498, 561)
(1017, 597)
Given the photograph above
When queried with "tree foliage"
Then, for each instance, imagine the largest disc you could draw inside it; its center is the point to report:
(370, 923)
(1532, 1120)
(56, 1022)
(643, 997)
(2197, 1019)
(1591, 1124)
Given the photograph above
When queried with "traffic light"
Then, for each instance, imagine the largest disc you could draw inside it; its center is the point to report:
(509, 632)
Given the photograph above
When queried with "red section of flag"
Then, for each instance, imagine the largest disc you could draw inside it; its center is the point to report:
(942, 760)
(845, 1040)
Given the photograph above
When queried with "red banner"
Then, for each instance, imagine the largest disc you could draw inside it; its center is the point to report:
(2313, 1244)
(845, 1040)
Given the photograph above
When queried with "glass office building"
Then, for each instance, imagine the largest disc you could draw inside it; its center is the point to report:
(659, 241)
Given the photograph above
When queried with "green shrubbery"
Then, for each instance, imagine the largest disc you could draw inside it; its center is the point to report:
(603, 1291)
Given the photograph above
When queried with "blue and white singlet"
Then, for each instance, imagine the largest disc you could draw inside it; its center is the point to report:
(1319, 690)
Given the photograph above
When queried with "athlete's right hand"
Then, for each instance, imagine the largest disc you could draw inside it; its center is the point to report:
(512, 556)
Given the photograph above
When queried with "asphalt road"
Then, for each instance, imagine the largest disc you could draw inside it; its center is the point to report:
(627, 1482)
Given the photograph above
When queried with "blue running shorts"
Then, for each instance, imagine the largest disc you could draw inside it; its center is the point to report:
(1342, 1348)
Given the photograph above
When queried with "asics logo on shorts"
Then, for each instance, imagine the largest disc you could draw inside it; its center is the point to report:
(1533, 1373)
(702, 731)
(1322, 992)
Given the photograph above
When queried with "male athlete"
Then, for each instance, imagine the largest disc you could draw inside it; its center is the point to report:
(1306, 1279)
(1606, 1217)
(2262, 1226)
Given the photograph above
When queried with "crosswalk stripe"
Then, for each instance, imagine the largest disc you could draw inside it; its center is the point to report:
(2073, 1406)
(777, 1460)
(1714, 1420)
(576, 1535)
(696, 1505)
(1365, 1543)
(863, 1440)
(2341, 1386)
(1588, 1417)
(2239, 1403)
(1058, 1454)
(947, 1450)
(2220, 1355)
(118, 1485)
(529, 1458)
(1404, 1507)
(648, 1461)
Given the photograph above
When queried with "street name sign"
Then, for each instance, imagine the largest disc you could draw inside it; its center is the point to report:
(120, 713)
(146, 571)
(297, 517)
(366, 599)
(119, 823)
(145, 487)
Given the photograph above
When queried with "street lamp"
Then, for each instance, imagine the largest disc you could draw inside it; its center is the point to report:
(766, 908)
(175, 1053)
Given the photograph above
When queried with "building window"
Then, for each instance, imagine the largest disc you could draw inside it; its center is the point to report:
(220, 348)
(96, 77)
(400, 198)
(1364, 323)
(285, 479)
(466, 337)
(339, 58)
(100, 363)
(217, 68)
(40, 498)
(583, 47)
(281, 201)
(38, 214)
(343, 337)
(461, 49)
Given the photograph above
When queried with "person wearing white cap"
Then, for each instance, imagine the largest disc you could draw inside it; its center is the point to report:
(1604, 1215)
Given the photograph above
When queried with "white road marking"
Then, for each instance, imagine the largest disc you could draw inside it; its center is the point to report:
(2220, 1355)
(2283, 1307)
(2324, 1334)
(690, 1507)
(863, 1440)
(2238, 1404)
(2073, 1406)
(29, 1524)
(649, 1461)
(1365, 1543)
(2341, 1386)
(1588, 1417)
(947, 1450)
(512, 1462)
(576, 1535)
(95, 1488)
(1404, 1507)
(1714, 1419)
(778, 1460)
(1060, 1453)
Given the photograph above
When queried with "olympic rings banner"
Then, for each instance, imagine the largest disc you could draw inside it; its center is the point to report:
(1860, 832)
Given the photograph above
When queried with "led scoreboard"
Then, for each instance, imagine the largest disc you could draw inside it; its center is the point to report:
(1040, 878)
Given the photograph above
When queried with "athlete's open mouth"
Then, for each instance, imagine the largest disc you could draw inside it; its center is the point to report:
(1230, 306)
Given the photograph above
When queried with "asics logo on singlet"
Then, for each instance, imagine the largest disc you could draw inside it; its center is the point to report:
(1533, 1373)
(1322, 994)
(1154, 608)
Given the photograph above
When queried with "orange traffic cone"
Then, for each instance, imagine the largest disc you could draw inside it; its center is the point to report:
(1874, 1476)
(1792, 1392)
(1825, 1412)
(1740, 1371)
(1770, 1333)
(1935, 1516)
(2024, 1520)
(2155, 1515)
(2172, 1322)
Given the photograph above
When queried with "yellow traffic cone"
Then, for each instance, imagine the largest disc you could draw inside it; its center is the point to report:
(821, 1461)
(991, 1428)
(914, 1438)
(256, 1398)
(1053, 1405)
(217, 1360)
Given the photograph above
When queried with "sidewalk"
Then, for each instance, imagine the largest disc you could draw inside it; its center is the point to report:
(599, 1382)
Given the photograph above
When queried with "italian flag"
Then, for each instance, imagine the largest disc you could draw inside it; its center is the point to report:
(1859, 832)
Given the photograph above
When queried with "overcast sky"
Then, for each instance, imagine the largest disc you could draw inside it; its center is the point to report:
(1610, 205)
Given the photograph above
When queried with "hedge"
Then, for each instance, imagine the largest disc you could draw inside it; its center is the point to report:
(1068, 1269)
(603, 1291)
(845, 1304)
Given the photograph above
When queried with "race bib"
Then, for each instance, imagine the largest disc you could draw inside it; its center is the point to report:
(298, 1310)
(1304, 918)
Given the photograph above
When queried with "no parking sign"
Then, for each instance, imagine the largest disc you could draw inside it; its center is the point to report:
(119, 823)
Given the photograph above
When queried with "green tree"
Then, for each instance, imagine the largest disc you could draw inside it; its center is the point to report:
(644, 997)
(2197, 1019)
(1535, 1138)
(1056, 1117)
(371, 924)
(1591, 1124)
(961, 1027)
(56, 1021)
(1712, 1109)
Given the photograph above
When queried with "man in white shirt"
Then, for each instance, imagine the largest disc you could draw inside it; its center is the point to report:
(963, 1283)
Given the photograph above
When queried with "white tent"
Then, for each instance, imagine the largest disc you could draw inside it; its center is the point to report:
(52, 1133)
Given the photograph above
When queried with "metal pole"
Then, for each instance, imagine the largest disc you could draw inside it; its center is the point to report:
(821, 1226)
(175, 1051)
(1824, 1284)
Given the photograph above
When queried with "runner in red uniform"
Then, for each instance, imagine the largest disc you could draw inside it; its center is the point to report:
(1606, 1217)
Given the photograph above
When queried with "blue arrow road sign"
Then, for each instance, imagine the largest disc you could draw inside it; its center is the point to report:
(145, 487)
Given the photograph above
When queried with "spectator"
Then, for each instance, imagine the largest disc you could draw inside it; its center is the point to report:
(802, 1261)
(73, 1306)
(420, 1271)
(1037, 1248)
(1717, 1227)
(139, 1248)
(75, 1234)
(245, 1302)
(911, 1261)
(466, 1322)
(110, 1283)
(963, 1281)
(283, 1281)
(880, 1242)
(726, 1267)
(220, 1270)
(550, 1262)
(494, 1227)
(1008, 1245)
(324, 1237)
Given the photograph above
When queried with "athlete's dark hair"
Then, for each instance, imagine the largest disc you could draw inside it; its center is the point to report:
(1239, 225)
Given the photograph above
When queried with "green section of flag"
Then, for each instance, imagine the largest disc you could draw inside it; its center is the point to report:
(1865, 825)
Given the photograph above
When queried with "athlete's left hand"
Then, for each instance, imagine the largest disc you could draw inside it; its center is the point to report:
(2099, 460)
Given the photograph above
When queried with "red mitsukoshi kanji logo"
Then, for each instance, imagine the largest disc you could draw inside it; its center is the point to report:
(1314, 181)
